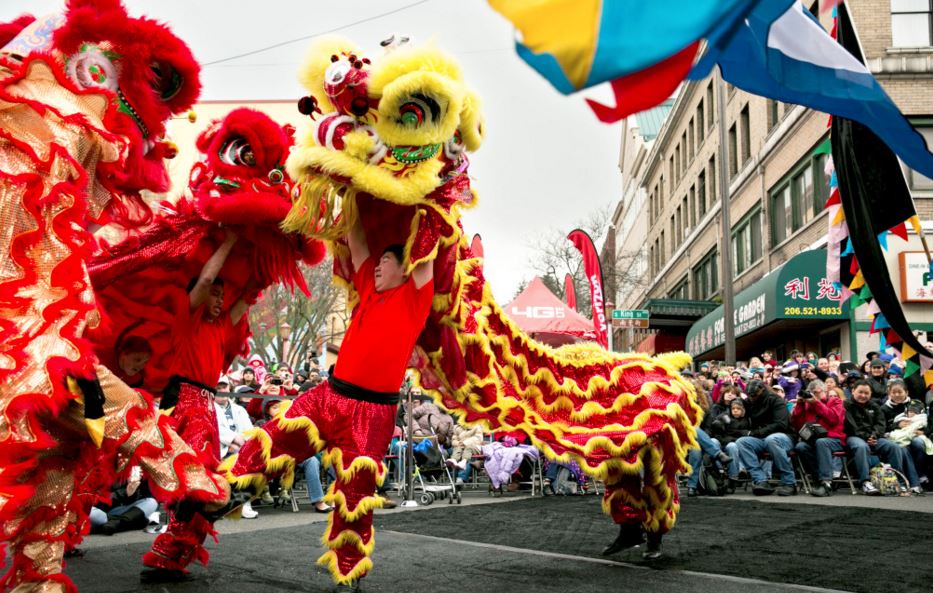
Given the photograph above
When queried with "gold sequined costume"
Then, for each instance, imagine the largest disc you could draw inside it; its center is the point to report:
(65, 160)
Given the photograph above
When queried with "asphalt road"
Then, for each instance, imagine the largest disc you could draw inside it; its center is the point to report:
(276, 552)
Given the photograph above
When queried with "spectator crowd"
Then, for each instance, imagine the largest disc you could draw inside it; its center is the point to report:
(765, 422)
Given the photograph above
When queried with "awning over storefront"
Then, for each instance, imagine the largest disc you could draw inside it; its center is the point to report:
(798, 291)
(659, 342)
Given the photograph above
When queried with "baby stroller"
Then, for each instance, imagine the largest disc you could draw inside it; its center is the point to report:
(432, 478)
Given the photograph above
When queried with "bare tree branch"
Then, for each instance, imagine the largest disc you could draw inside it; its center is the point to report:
(303, 320)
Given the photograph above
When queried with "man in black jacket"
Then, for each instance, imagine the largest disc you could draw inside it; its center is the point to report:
(770, 433)
(865, 426)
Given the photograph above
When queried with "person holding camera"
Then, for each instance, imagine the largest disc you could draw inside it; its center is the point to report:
(768, 416)
(820, 422)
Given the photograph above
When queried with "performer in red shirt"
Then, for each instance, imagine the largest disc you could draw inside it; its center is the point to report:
(201, 337)
(352, 414)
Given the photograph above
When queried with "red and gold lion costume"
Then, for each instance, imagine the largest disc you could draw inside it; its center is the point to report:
(84, 98)
(389, 145)
(240, 183)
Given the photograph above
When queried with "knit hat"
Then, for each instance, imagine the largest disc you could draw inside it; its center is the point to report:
(737, 402)
(789, 366)
(876, 362)
(916, 405)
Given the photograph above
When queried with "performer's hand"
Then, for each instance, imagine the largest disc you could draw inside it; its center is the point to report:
(231, 237)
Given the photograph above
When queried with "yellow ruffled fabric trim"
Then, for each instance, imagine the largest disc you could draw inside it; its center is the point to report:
(258, 481)
(347, 537)
(294, 423)
(334, 457)
(359, 570)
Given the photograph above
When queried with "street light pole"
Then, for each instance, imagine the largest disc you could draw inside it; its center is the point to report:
(609, 327)
(410, 457)
(725, 249)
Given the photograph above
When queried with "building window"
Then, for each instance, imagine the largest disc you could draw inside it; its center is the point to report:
(799, 197)
(680, 291)
(662, 249)
(693, 206)
(683, 155)
(774, 115)
(685, 221)
(918, 181)
(701, 124)
(656, 204)
(733, 152)
(911, 23)
(746, 135)
(713, 196)
(676, 168)
(691, 147)
(701, 195)
(711, 106)
(746, 242)
(706, 277)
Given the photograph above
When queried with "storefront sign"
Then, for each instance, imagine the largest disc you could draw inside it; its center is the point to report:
(797, 290)
(916, 281)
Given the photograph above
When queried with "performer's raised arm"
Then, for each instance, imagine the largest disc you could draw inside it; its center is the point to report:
(211, 270)
(359, 248)
(239, 308)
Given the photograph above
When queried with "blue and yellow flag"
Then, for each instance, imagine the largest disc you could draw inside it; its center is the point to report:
(576, 44)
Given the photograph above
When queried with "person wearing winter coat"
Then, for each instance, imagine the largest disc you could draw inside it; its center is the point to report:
(865, 428)
(727, 428)
(896, 405)
(769, 433)
(428, 417)
(466, 443)
(814, 406)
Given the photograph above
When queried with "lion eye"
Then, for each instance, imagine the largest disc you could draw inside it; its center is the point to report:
(166, 81)
(238, 152)
(336, 72)
(411, 114)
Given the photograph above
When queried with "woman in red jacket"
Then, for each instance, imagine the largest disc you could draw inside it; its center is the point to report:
(815, 406)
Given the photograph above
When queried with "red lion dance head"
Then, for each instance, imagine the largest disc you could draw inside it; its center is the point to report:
(239, 183)
(147, 73)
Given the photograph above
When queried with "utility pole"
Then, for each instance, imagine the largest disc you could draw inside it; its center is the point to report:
(725, 249)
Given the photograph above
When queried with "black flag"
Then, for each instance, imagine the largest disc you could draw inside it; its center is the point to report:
(874, 196)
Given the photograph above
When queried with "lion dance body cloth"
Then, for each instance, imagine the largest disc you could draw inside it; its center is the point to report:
(83, 101)
(387, 146)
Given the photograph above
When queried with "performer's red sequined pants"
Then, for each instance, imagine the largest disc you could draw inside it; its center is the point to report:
(355, 435)
(195, 421)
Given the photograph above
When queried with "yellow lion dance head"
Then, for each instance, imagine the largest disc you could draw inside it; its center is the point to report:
(396, 127)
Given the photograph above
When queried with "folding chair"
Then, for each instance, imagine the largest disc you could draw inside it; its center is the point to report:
(844, 455)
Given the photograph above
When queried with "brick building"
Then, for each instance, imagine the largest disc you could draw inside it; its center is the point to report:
(669, 216)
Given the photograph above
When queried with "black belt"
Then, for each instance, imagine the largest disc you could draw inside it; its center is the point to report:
(171, 391)
(356, 392)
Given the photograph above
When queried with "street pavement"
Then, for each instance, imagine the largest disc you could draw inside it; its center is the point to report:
(276, 552)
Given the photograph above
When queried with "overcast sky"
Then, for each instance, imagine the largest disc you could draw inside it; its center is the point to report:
(546, 161)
